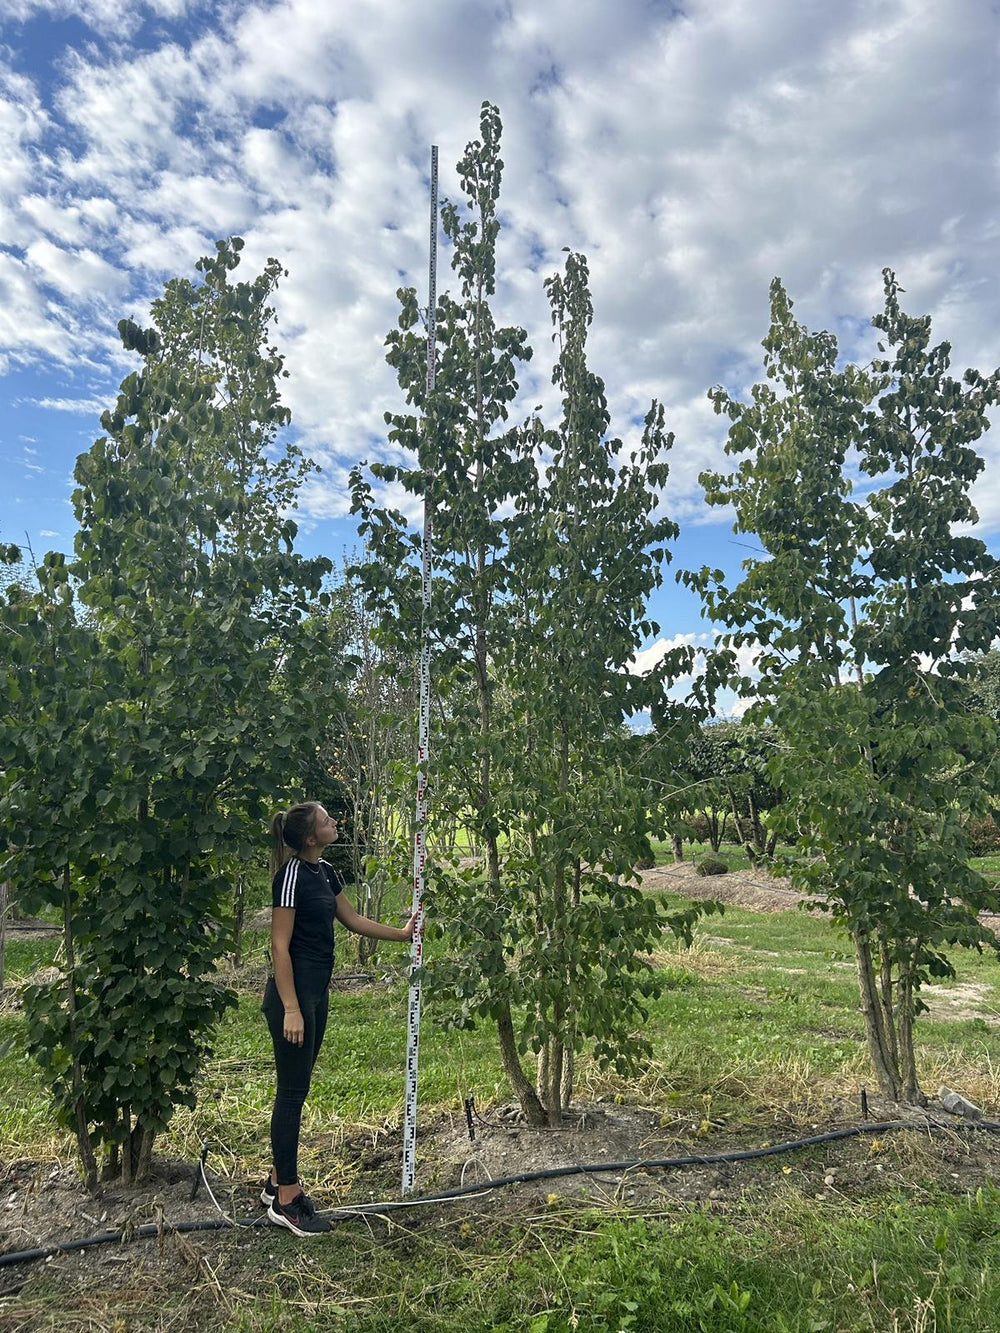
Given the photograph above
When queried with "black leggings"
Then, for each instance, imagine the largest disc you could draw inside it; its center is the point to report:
(294, 1065)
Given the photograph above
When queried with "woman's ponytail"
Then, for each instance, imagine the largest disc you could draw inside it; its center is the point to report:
(279, 851)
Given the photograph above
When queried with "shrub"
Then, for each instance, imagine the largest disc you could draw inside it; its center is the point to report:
(699, 827)
(983, 835)
(712, 867)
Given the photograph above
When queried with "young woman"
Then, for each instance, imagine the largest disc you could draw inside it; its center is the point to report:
(306, 896)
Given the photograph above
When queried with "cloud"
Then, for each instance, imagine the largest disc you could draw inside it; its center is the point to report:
(644, 661)
(692, 154)
(80, 406)
(78, 274)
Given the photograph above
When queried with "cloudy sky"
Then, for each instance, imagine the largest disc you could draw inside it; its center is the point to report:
(693, 151)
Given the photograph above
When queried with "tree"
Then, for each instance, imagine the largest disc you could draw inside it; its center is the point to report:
(545, 548)
(984, 683)
(375, 745)
(863, 611)
(160, 693)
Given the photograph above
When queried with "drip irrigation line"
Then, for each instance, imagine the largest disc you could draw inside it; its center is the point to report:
(481, 1188)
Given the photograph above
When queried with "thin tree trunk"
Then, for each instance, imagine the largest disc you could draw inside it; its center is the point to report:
(519, 1082)
(4, 895)
(886, 1069)
(82, 1126)
(126, 1144)
(553, 1089)
(912, 1093)
(569, 1061)
(741, 836)
(677, 842)
(714, 832)
(542, 1067)
(238, 921)
(888, 1004)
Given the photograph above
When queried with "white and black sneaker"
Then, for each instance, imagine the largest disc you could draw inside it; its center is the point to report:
(299, 1215)
(269, 1192)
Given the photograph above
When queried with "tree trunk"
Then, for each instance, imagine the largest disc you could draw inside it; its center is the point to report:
(886, 1068)
(238, 915)
(82, 1126)
(888, 1003)
(677, 842)
(553, 1090)
(714, 832)
(542, 1067)
(912, 1093)
(126, 1144)
(741, 836)
(566, 1090)
(142, 1151)
(519, 1082)
(4, 895)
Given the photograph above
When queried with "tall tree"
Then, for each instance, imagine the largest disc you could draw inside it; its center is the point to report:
(545, 547)
(142, 760)
(864, 610)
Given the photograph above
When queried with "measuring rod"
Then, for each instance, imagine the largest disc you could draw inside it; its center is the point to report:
(423, 739)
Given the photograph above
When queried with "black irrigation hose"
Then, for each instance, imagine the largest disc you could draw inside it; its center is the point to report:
(589, 1168)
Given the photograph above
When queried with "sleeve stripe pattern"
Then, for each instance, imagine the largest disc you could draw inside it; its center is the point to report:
(288, 883)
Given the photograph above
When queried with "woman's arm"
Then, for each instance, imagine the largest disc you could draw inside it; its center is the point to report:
(282, 922)
(362, 925)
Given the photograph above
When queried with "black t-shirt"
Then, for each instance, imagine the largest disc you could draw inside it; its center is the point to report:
(311, 888)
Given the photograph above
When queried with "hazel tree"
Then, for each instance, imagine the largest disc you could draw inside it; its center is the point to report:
(159, 693)
(865, 609)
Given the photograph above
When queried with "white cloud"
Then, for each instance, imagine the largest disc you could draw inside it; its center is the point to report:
(693, 155)
(78, 274)
(80, 406)
(644, 661)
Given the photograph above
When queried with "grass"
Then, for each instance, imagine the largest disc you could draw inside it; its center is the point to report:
(756, 1035)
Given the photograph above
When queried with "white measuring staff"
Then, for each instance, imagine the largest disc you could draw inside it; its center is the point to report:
(423, 741)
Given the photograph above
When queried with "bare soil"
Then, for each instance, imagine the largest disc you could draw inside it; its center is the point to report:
(755, 889)
(43, 1204)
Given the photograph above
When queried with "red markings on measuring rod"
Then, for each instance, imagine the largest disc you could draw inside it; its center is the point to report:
(423, 743)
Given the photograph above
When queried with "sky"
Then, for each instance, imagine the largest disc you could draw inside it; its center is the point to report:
(692, 151)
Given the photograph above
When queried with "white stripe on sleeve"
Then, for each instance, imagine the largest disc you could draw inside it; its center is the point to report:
(288, 883)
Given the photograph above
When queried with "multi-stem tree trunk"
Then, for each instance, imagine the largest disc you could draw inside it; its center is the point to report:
(887, 1006)
(509, 1055)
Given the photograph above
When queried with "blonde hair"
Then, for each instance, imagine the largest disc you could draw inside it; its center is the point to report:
(289, 830)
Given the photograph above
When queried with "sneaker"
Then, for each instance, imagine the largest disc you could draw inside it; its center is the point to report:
(268, 1192)
(298, 1216)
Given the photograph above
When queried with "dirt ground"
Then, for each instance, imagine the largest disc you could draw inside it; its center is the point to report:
(755, 889)
(43, 1204)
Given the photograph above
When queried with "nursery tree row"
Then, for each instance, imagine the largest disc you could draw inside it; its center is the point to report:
(186, 670)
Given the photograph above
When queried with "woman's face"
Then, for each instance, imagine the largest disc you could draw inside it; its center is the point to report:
(324, 828)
